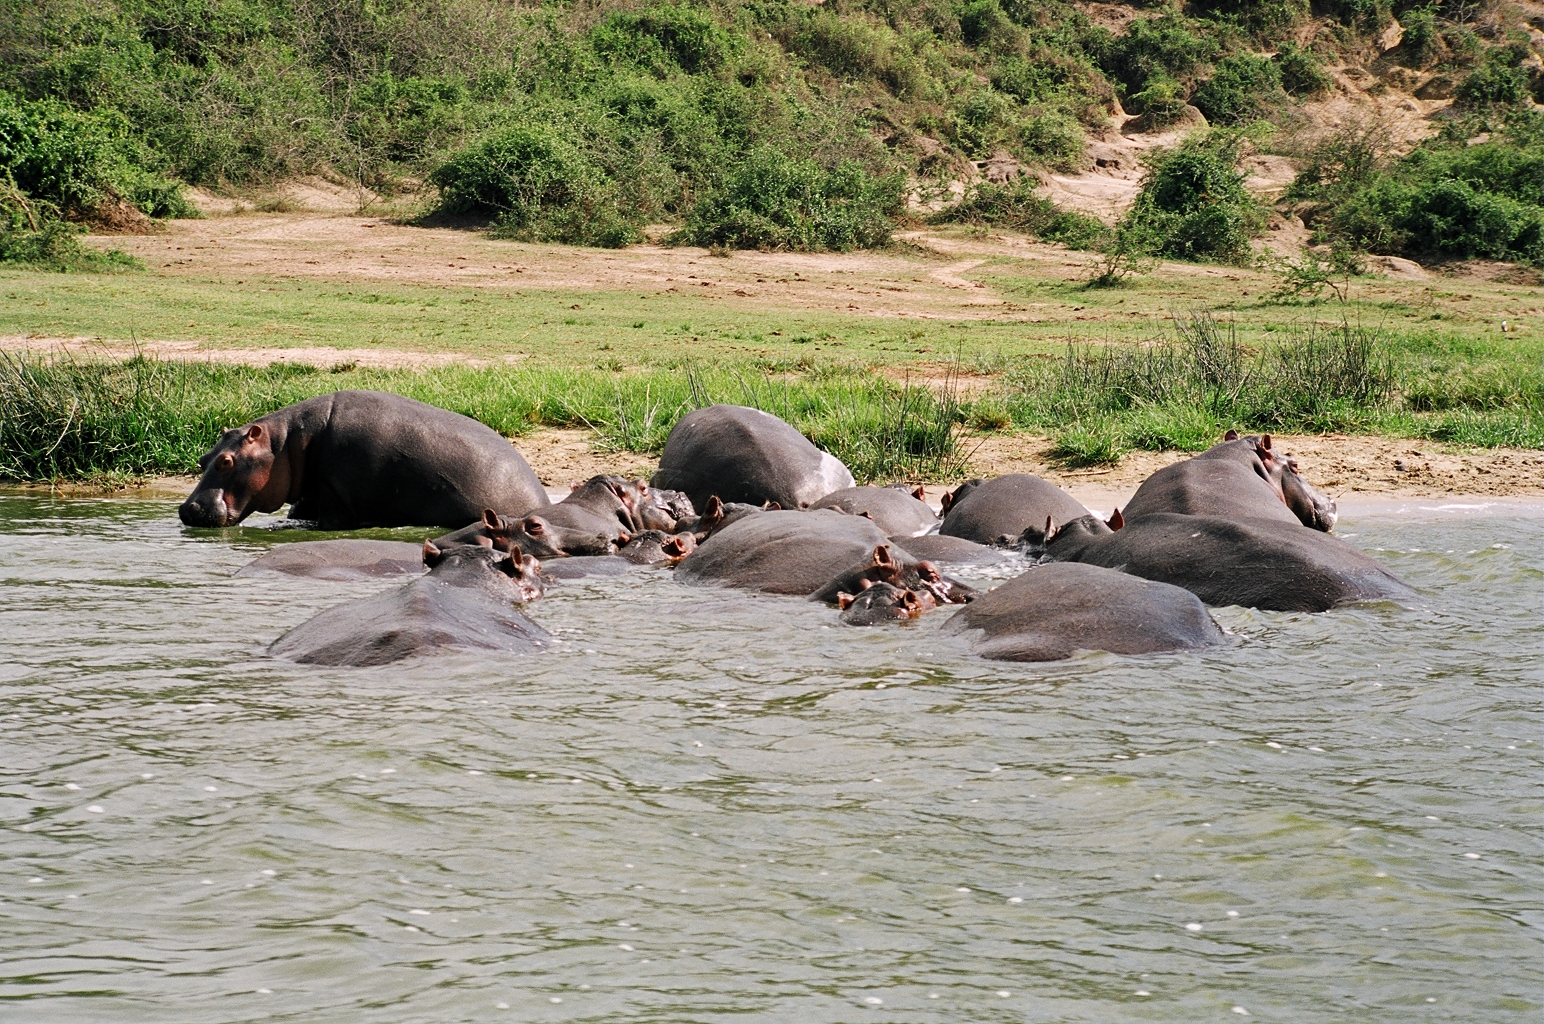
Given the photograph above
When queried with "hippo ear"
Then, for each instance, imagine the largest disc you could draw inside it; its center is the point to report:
(866, 514)
(945, 501)
(771, 506)
(255, 432)
(919, 492)
(1116, 520)
(881, 555)
(675, 547)
(1050, 529)
(1265, 441)
(713, 509)
(432, 554)
(1231, 435)
(623, 537)
(490, 519)
(843, 600)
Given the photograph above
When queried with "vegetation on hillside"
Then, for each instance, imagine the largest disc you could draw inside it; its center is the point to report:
(766, 123)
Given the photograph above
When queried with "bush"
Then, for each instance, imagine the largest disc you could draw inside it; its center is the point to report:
(1162, 102)
(78, 162)
(1164, 47)
(1242, 88)
(1499, 81)
(1301, 72)
(56, 246)
(1018, 205)
(1193, 204)
(665, 38)
(773, 201)
(537, 186)
(1421, 44)
(1053, 139)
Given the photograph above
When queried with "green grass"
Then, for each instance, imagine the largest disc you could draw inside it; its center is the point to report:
(73, 419)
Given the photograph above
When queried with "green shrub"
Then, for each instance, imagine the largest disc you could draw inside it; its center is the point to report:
(1262, 17)
(1499, 81)
(1053, 139)
(1163, 47)
(1018, 205)
(1193, 204)
(56, 246)
(773, 201)
(1242, 88)
(536, 185)
(665, 38)
(1162, 102)
(78, 162)
(1421, 44)
(1302, 74)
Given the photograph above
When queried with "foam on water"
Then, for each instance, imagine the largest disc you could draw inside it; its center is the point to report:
(1346, 805)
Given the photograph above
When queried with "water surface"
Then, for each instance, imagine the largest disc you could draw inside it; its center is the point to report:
(711, 807)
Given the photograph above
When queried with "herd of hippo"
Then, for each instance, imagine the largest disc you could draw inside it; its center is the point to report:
(741, 499)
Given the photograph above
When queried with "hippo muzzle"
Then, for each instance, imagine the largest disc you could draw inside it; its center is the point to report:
(209, 509)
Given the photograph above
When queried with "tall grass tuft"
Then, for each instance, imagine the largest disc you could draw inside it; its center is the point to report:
(63, 417)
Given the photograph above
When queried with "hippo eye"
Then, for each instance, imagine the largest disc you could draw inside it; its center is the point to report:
(225, 461)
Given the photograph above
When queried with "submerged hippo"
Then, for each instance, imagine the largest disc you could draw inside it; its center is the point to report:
(781, 552)
(897, 511)
(1257, 563)
(935, 547)
(1241, 477)
(339, 559)
(362, 458)
(1056, 609)
(552, 533)
(887, 564)
(746, 455)
(465, 600)
(881, 603)
(999, 511)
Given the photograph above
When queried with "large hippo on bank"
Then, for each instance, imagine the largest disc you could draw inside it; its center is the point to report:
(339, 559)
(782, 552)
(362, 458)
(1257, 563)
(1241, 477)
(465, 600)
(746, 455)
(1056, 609)
(896, 510)
(1000, 510)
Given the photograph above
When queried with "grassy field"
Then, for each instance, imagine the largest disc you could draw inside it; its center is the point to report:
(884, 358)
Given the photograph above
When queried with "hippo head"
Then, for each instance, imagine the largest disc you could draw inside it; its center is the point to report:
(953, 498)
(242, 475)
(1311, 508)
(881, 602)
(1280, 471)
(515, 574)
(1064, 543)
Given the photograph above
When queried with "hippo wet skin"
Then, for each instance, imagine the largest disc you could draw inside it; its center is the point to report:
(746, 455)
(1241, 477)
(1058, 608)
(466, 599)
(362, 458)
(894, 510)
(998, 511)
(339, 559)
(783, 552)
(1257, 563)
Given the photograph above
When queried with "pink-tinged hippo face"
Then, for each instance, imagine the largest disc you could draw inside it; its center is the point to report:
(240, 476)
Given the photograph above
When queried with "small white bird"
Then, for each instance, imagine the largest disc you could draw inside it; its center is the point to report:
(1504, 328)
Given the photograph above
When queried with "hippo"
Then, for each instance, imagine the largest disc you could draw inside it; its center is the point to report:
(936, 547)
(1058, 608)
(880, 603)
(782, 552)
(362, 458)
(887, 564)
(895, 510)
(1257, 563)
(654, 547)
(746, 455)
(339, 559)
(1240, 477)
(465, 600)
(715, 516)
(554, 533)
(1000, 510)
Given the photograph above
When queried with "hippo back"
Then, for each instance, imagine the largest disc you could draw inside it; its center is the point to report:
(894, 511)
(781, 552)
(339, 559)
(998, 511)
(745, 455)
(1053, 610)
(1208, 487)
(1257, 563)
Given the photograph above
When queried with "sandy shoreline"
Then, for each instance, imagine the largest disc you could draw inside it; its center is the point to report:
(1360, 472)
